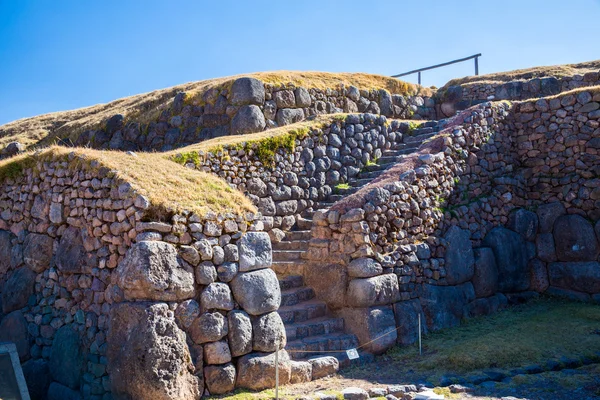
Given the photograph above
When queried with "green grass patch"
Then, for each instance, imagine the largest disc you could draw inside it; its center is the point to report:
(342, 186)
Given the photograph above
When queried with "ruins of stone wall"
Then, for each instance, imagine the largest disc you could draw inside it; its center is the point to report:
(104, 302)
(461, 97)
(248, 106)
(298, 179)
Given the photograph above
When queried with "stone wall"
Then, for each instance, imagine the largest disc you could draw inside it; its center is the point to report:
(247, 106)
(306, 173)
(448, 232)
(105, 302)
(461, 97)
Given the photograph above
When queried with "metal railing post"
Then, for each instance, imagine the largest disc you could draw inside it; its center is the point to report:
(419, 77)
(476, 66)
(418, 71)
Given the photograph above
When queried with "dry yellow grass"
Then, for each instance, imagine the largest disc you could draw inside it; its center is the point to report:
(168, 185)
(529, 73)
(44, 129)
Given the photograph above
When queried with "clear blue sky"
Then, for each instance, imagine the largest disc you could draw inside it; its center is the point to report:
(64, 54)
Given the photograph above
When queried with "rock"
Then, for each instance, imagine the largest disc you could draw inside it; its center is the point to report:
(56, 391)
(186, 312)
(37, 376)
(37, 252)
(485, 279)
(574, 239)
(511, 259)
(354, 393)
(523, 222)
(578, 276)
(209, 327)
(17, 289)
(206, 273)
(255, 251)
(300, 372)
(284, 99)
(539, 276)
(227, 271)
(544, 245)
(189, 255)
(428, 395)
(216, 296)
(240, 333)
(445, 306)
(407, 321)
(547, 214)
(13, 328)
(66, 357)
(374, 325)
(364, 268)
(287, 116)
(257, 292)
(5, 252)
(13, 148)
(385, 103)
(217, 353)
(330, 282)
(256, 371)
(324, 366)
(247, 91)
(303, 99)
(164, 372)
(268, 333)
(71, 256)
(459, 256)
(248, 119)
(378, 290)
(220, 379)
(151, 270)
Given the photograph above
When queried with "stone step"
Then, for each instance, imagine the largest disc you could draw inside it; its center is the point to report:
(335, 197)
(345, 192)
(302, 311)
(322, 205)
(287, 268)
(291, 297)
(291, 282)
(287, 255)
(422, 131)
(358, 183)
(298, 235)
(291, 245)
(419, 139)
(337, 343)
(314, 327)
(370, 175)
(388, 160)
(304, 224)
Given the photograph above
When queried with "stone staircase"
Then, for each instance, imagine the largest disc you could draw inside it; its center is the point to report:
(311, 329)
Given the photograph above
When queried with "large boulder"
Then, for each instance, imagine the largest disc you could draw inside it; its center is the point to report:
(268, 332)
(286, 116)
(37, 376)
(256, 371)
(407, 320)
(248, 119)
(364, 268)
(523, 222)
(209, 327)
(220, 379)
(71, 255)
(323, 366)
(544, 246)
(330, 281)
(37, 251)
(17, 289)
(459, 256)
(485, 279)
(5, 252)
(547, 215)
(152, 270)
(511, 256)
(56, 391)
(147, 354)
(13, 328)
(578, 276)
(539, 276)
(378, 290)
(240, 333)
(216, 296)
(255, 251)
(66, 357)
(257, 292)
(446, 306)
(374, 326)
(247, 91)
(574, 239)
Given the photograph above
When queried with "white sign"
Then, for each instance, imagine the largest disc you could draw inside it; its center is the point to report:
(352, 354)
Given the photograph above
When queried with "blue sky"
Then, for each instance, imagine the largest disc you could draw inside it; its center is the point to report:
(64, 54)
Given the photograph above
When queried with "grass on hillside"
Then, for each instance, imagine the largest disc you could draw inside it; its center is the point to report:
(168, 185)
(144, 108)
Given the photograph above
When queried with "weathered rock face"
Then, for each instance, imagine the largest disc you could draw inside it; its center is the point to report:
(247, 91)
(254, 251)
(249, 119)
(445, 306)
(220, 379)
(523, 222)
(256, 371)
(547, 214)
(37, 376)
(257, 292)
(407, 321)
(539, 276)
(485, 279)
(209, 327)
(324, 366)
(376, 325)
(268, 332)
(37, 252)
(17, 289)
(67, 359)
(13, 328)
(574, 239)
(379, 290)
(578, 276)
(459, 256)
(152, 271)
(240, 333)
(364, 268)
(5, 251)
(165, 372)
(511, 258)
(330, 282)
(71, 255)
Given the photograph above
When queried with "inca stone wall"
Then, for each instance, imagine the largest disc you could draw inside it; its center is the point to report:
(104, 303)
(248, 106)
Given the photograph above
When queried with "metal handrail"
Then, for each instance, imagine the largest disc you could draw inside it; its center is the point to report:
(475, 56)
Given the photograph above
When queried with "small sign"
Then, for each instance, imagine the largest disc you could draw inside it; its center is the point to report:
(352, 354)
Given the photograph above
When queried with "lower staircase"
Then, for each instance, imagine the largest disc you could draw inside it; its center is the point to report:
(311, 328)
